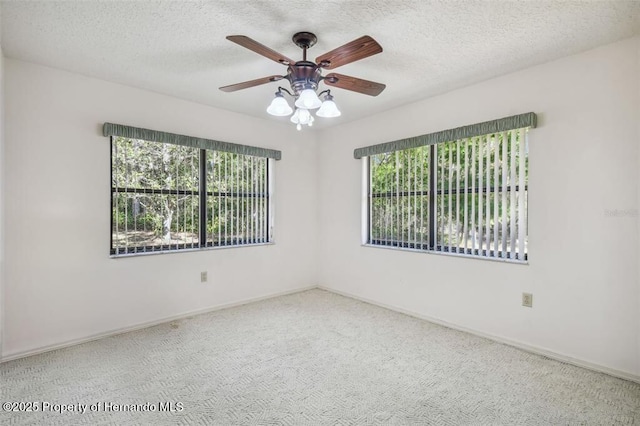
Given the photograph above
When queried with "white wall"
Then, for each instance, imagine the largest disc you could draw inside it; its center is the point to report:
(61, 284)
(1, 192)
(583, 269)
(638, 211)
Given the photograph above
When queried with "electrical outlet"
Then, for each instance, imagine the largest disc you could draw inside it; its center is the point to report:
(527, 300)
(203, 276)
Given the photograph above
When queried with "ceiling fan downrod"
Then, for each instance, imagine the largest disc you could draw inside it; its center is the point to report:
(304, 40)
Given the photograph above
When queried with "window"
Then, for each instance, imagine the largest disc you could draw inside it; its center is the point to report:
(465, 196)
(172, 197)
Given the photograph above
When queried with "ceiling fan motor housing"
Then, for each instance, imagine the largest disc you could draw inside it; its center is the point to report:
(303, 75)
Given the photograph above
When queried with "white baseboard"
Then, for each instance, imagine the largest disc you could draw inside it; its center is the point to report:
(529, 348)
(73, 342)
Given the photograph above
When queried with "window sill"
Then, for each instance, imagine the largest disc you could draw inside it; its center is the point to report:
(468, 256)
(189, 250)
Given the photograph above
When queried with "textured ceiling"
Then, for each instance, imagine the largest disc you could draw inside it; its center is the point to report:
(179, 47)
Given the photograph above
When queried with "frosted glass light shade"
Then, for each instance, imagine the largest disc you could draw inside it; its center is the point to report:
(279, 107)
(301, 116)
(295, 118)
(308, 99)
(328, 110)
(304, 116)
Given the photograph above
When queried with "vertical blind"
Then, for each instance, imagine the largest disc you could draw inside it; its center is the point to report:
(399, 198)
(238, 198)
(465, 196)
(154, 193)
(482, 196)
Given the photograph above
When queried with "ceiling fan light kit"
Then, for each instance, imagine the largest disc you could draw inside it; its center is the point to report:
(305, 76)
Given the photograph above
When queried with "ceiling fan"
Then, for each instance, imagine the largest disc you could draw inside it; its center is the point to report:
(304, 76)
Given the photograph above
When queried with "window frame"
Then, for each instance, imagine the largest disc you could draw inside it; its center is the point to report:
(433, 191)
(202, 193)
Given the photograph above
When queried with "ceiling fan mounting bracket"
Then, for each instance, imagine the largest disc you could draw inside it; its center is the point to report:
(304, 39)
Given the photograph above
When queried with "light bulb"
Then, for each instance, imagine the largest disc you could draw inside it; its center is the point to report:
(299, 127)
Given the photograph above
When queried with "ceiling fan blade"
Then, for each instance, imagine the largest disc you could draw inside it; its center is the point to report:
(359, 85)
(260, 49)
(251, 83)
(358, 49)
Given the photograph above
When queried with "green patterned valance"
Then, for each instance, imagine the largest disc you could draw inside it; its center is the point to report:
(488, 127)
(110, 129)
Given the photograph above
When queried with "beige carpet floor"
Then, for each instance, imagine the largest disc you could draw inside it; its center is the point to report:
(311, 358)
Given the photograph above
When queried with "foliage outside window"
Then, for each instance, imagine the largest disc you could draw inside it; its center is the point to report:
(172, 197)
(467, 196)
